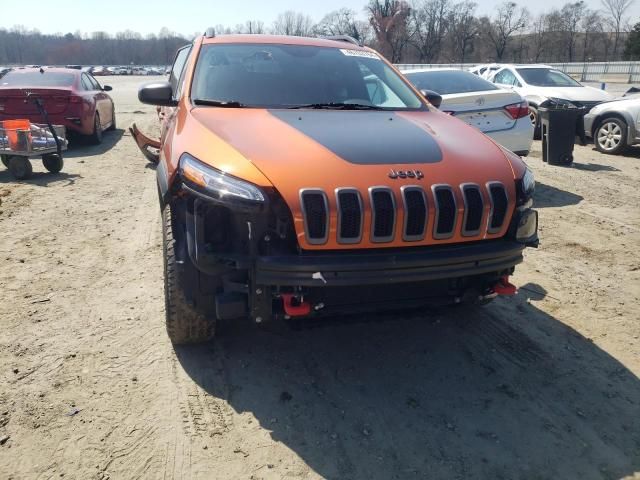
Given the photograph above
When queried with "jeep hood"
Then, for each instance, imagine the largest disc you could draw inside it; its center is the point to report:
(327, 149)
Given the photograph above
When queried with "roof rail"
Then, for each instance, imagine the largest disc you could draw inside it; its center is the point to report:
(343, 38)
(210, 32)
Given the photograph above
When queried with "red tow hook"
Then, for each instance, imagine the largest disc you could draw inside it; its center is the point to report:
(504, 287)
(293, 306)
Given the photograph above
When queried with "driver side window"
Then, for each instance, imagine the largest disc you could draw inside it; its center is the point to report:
(178, 69)
(506, 77)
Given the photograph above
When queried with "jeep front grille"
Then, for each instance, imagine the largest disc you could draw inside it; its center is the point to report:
(383, 214)
(499, 206)
(350, 215)
(315, 209)
(385, 224)
(446, 211)
(415, 213)
(473, 210)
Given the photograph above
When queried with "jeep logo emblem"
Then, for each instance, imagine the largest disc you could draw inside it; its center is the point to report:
(417, 174)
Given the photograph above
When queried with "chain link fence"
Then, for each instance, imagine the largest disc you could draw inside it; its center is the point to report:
(608, 72)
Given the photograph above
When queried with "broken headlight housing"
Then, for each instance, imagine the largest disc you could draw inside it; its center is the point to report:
(216, 183)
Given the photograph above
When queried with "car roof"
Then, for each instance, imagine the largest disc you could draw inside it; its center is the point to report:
(423, 70)
(529, 65)
(282, 40)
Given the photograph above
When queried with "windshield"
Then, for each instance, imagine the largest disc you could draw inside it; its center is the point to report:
(289, 76)
(450, 81)
(545, 77)
(37, 79)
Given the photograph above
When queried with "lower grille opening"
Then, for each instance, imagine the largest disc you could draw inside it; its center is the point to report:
(474, 207)
(500, 204)
(445, 212)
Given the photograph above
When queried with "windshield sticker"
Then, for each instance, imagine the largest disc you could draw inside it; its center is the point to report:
(359, 53)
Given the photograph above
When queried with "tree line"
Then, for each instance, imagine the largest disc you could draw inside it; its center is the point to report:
(420, 31)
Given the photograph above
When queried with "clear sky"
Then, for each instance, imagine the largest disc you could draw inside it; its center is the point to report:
(189, 16)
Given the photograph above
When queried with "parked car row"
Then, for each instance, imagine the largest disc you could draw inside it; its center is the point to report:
(104, 71)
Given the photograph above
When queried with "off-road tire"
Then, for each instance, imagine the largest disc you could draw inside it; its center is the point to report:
(184, 324)
(96, 137)
(610, 136)
(20, 167)
(53, 162)
(113, 121)
(5, 160)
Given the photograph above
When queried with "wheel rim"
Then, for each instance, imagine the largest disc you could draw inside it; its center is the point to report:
(533, 117)
(609, 136)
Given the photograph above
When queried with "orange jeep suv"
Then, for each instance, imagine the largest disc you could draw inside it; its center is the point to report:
(306, 177)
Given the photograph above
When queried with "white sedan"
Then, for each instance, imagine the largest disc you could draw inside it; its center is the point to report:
(500, 114)
(538, 83)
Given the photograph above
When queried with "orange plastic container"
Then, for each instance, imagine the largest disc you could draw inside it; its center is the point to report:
(13, 127)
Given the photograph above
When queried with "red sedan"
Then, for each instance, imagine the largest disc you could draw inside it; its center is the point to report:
(71, 97)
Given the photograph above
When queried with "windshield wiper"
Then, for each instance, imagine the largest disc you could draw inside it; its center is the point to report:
(336, 106)
(218, 103)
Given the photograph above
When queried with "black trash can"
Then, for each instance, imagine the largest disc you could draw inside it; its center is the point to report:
(560, 122)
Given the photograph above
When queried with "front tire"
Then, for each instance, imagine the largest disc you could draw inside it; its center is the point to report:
(113, 121)
(185, 325)
(96, 136)
(611, 136)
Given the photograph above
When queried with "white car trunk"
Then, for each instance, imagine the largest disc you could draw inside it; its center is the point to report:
(484, 110)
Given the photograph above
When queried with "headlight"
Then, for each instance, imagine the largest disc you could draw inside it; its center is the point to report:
(528, 183)
(525, 187)
(217, 183)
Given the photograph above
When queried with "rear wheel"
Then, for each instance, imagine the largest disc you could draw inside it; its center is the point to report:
(96, 136)
(185, 324)
(20, 167)
(535, 121)
(611, 136)
(52, 162)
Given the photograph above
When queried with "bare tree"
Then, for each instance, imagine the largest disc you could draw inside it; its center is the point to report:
(293, 23)
(428, 21)
(253, 27)
(510, 19)
(344, 22)
(463, 28)
(570, 17)
(388, 19)
(539, 37)
(591, 26)
(616, 10)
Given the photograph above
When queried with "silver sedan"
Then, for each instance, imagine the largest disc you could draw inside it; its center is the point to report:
(614, 125)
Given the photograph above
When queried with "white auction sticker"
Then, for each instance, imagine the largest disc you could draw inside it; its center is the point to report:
(359, 53)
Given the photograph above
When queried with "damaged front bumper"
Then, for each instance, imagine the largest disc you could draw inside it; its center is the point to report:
(265, 274)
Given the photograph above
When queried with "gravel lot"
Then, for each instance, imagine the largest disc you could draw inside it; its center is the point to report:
(540, 386)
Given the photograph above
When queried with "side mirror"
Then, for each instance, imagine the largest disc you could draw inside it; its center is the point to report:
(106, 88)
(434, 98)
(157, 93)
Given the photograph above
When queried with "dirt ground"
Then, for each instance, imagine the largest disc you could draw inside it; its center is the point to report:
(543, 385)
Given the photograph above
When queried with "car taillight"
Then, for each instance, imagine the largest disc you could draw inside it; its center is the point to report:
(518, 110)
(74, 99)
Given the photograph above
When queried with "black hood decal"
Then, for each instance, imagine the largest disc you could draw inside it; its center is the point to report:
(365, 137)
